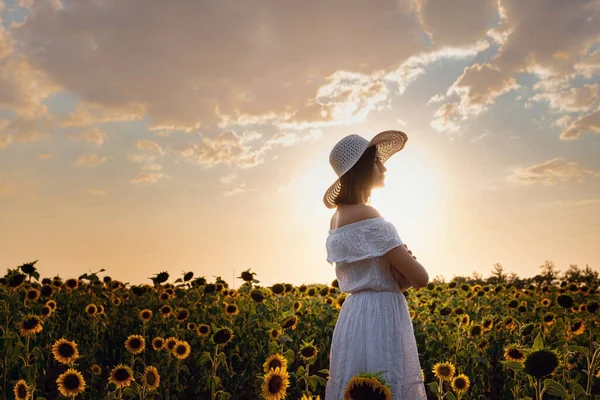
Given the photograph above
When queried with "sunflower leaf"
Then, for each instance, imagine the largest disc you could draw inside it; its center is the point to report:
(555, 389)
(449, 396)
(433, 386)
(578, 349)
(514, 365)
(538, 343)
(300, 371)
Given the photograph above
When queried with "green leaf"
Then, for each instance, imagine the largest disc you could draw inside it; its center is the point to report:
(538, 343)
(205, 357)
(312, 382)
(433, 386)
(579, 349)
(289, 356)
(450, 396)
(300, 371)
(273, 347)
(555, 389)
(514, 365)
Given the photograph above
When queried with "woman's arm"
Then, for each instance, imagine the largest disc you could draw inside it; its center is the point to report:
(401, 279)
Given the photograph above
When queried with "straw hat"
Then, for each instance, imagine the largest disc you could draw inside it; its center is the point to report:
(348, 151)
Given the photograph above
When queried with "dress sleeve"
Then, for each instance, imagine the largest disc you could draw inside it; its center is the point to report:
(363, 242)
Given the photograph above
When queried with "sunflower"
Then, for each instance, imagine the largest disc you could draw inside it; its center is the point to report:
(135, 344)
(275, 361)
(275, 384)
(308, 351)
(203, 330)
(231, 309)
(158, 343)
(51, 304)
(32, 294)
(541, 363)
(460, 383)
(182, 314)
(222, 336)
(339, 302)
(121, 375)
(21, 390)
(297, 305)
(72, 283)
(65, 351)
(290, 322)
(514, 353)
(329, 300)
(550, 318)
(16, 281)
(30, 325)
(145, 315)
(465, 320)
(165, 311)
(444, 371)
(488, 324)
(475, 331)
(151, 378)
(366, 386)
(116, 301)
(191, 326)
(422, 375)
(170, 343)
(483, 344)
(70, 383)
(45, 312)
(307, 397)
(576, 328)
(274, 334)
(182, 349)
(96, 369)
(91, 310)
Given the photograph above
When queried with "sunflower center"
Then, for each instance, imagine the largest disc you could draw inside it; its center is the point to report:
(22, 391)
(135, 343)
(30, 323)
(445, 370)
(121, 374)
(275, 363)
(71, 382)
(66, 350)
(307, 352)
(151, 378)
(275, 384)
(204, 329)
(364, 392)
(180, 349)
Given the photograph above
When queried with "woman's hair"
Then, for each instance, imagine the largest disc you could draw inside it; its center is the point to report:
(356, 184)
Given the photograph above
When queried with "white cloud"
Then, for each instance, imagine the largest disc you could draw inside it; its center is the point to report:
(550, 172)
(585, 123)
(91, 160)
(96, 136)
(148, 178)
(228, 178)
(148, 145)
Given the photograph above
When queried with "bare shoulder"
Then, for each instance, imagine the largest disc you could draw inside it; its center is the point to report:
(349, 214)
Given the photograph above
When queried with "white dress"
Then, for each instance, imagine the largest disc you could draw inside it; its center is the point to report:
(374, 331)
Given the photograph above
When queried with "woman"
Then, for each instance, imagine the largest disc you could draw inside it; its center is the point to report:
(374, 331)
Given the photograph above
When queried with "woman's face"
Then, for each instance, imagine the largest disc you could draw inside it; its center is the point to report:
(378, 172)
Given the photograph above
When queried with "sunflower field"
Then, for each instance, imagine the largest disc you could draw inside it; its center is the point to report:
(93, 337)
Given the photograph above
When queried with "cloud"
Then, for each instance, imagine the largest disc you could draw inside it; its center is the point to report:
(255, 58)
(86, 114)
(228, 178)
(456, 22)
(585, 123)
(141, 158)
(544, 38)
(238, 190)
(550, 172)
(5, 141)
(96, 192)
(153, 167)
(148, 145)
(569, 99)
(227, 148)
(94, 135)
(92, 160)
(145, 177)
(44, 156)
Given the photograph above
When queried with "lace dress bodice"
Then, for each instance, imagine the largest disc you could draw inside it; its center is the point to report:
(357, 250)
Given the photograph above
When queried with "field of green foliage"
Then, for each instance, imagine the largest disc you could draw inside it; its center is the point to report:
(93, 337)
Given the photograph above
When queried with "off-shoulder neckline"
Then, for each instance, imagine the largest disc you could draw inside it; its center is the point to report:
(355, 224)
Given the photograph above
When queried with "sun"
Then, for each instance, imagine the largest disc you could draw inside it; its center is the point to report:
(413, 197)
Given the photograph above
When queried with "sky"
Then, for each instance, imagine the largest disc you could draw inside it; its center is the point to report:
(143, 136)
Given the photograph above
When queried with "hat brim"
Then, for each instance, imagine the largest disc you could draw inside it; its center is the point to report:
(388, 143)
